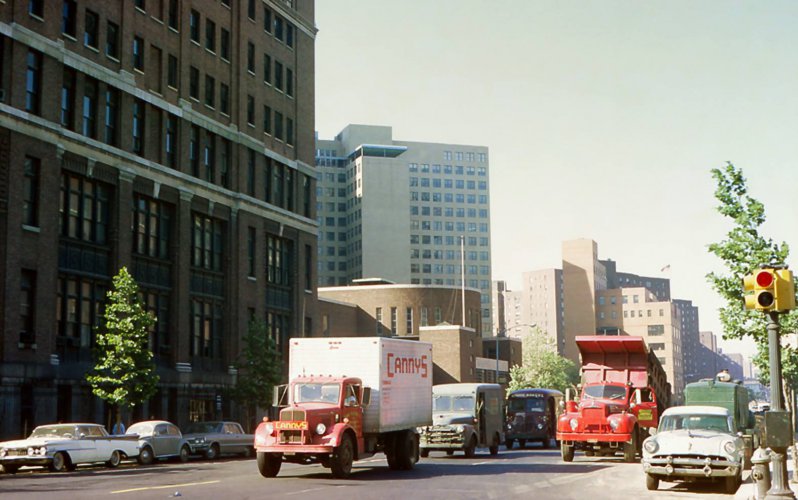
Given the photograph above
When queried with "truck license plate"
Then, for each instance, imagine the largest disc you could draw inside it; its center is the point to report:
(592, 441)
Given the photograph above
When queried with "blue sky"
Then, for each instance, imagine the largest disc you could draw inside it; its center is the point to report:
(603, 118)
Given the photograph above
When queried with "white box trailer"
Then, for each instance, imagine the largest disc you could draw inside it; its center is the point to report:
(398, 372)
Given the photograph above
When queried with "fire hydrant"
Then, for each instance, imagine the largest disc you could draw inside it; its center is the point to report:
(760, 473)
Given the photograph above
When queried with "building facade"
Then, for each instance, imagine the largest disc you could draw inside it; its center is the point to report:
(408, 212)
(175, 138)
(537, 304)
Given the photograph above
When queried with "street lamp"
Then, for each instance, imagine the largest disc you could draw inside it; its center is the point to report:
(502, 333)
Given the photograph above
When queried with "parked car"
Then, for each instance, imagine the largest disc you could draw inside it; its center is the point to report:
(212, 439)
(159, 439)
(694, 443)
(64, 446)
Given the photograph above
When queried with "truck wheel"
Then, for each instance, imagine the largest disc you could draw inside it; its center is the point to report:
(145, 456)
(494, 450)
(343, 456)
(630, 449)
(471, 449)
(522, 443)
(115, 459)
(60, 462)
(567, 452)
(652, 482)
(424, 453)
(508, 443)
(269, 463)
(405, 450)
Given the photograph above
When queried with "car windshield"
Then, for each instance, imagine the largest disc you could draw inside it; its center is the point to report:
(604, 392)
(202, 428)
(537, 405)
(718, 423)
(142, 429)
(453, 403)
(64, 431)
(316, 393)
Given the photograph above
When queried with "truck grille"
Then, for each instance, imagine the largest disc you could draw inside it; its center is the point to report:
(443, 435)
(292, 414)
(291, 437)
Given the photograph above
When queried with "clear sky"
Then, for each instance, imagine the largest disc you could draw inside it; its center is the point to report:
(603, 118)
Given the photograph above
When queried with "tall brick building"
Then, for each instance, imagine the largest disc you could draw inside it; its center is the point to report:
(174, 137)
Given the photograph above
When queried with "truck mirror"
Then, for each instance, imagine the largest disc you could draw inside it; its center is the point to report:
(280, 397)
(366, 397)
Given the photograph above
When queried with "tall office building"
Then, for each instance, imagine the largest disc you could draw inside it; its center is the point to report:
(408, 212)
(173, 137)
(538, 304)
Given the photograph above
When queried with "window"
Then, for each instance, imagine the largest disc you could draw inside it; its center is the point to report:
(225, 44)
(251, 57)
(90, 38)
(171, 72)
(224, 162)
(278, 75)
(378, 317)
(210, 35)
(289, 82)
(656, 329)
(393, 321)
(171, 141)
(251, 110)
(267, 19)
(289, 131)
(267, 69)
(68, 99)
(267, 120)
(151, 228)
(27, 306)
(251, 159)
(90, 108)
(206, 243)
(111, 116)
(289, 35)
(30, 192)
(210, 91)
(278, 125)
(251, 252)
(193, 150)
(112, 40)
(36, 8)
(69, 13)
(173, 15)
(84, 209)
(409, 321)
(156, 68)
(251, 9)
(138, 126)
(193, 25)
(33, 82)
(193, 83)
(138, 53)
(206, 327)
(278, 28)
(209, 156)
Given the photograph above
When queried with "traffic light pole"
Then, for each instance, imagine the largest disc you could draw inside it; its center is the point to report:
(779, 486)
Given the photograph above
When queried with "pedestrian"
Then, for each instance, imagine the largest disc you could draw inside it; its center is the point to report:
(119, 428)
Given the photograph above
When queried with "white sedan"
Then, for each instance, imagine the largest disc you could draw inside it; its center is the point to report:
(692, 443)
(63, 446)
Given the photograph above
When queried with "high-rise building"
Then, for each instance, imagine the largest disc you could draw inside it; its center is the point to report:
(174, 138)
(538, 304)
(408, 212)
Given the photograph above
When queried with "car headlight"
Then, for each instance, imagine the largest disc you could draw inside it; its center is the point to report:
(540, 426)
(3, 452)
(729, 447)
(650, 445)
(459, 428)
(31, 451)
(321, 429)
(43, 451)
(422, 430)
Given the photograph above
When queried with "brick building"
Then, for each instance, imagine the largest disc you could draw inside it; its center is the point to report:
(174, 137)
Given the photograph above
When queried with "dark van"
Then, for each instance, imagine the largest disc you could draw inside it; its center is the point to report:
(532, 416)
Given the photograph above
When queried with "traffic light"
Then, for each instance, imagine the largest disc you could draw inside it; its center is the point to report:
(769, 290)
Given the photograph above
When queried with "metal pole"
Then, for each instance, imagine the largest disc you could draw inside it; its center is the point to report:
(779, 488)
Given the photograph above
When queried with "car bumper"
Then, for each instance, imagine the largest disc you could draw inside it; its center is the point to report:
(26, 460)
(587, 437)
(296, 449)
(690, 467)
(199, 448)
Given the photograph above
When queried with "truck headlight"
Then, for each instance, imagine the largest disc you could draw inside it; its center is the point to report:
(614, 424)
(650, 445)
(321, 429)
(729, 447)
(270, 428)
(540, 426)
(574, 423)
(459, 428)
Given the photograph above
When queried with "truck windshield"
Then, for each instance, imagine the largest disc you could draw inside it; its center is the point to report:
(604, 392)
(316, 393)
(453, 403)
(695, 422)
(527, 404)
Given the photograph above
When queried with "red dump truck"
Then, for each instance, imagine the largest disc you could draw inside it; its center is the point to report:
(349, 398)
(624, 390)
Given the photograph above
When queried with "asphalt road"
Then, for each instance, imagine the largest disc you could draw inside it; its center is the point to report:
(530, 473)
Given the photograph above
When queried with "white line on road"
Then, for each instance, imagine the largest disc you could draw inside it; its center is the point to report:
(163, 487)
(483, 463)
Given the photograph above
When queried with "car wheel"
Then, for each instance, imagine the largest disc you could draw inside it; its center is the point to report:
(652, 482)
(145, 456)
(184, 454)
(508, 443)
(115, 459)
(60, 462)
(213, 452)
(522, 443)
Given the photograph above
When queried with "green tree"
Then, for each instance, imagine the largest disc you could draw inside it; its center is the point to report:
(742, 251)
(124, 372)
(259, 370)
(541, 365)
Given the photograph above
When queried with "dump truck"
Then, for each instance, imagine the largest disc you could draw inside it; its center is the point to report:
(624, 390)
(730, 394)
(347, 399)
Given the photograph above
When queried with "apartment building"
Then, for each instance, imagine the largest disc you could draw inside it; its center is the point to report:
(537, 304)
(407, 212)
(173, 137)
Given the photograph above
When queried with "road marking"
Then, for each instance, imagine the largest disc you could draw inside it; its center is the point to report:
(163, 487)
(483, 463)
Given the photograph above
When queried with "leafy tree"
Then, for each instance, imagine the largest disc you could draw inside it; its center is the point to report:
(541, 365)
(124, 374)
(259, 370)
(742, 251)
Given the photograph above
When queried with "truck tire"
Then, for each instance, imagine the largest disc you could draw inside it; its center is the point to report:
(652, 482)
(567, 452)
(471, 448)
(522, 443)
(494, 449)
(508, 443)
(269, 463)
(343, 456)
(630, 449)
(405, 450)
(424, 452)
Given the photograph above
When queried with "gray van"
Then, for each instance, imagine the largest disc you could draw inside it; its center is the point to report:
(464, 417)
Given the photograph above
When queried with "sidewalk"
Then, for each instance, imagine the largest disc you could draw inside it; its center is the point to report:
(747, 490)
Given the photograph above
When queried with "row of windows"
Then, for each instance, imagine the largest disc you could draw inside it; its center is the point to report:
(630, 314)
(447, 240)
(438, 226)
(470, 255)
(468, 155)
(471, 199)
(448, 269)
(470, 283)
(473, 213)
(448, 183)
(447, 169)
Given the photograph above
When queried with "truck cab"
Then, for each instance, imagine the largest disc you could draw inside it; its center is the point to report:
(532, 416)
(464, 417)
